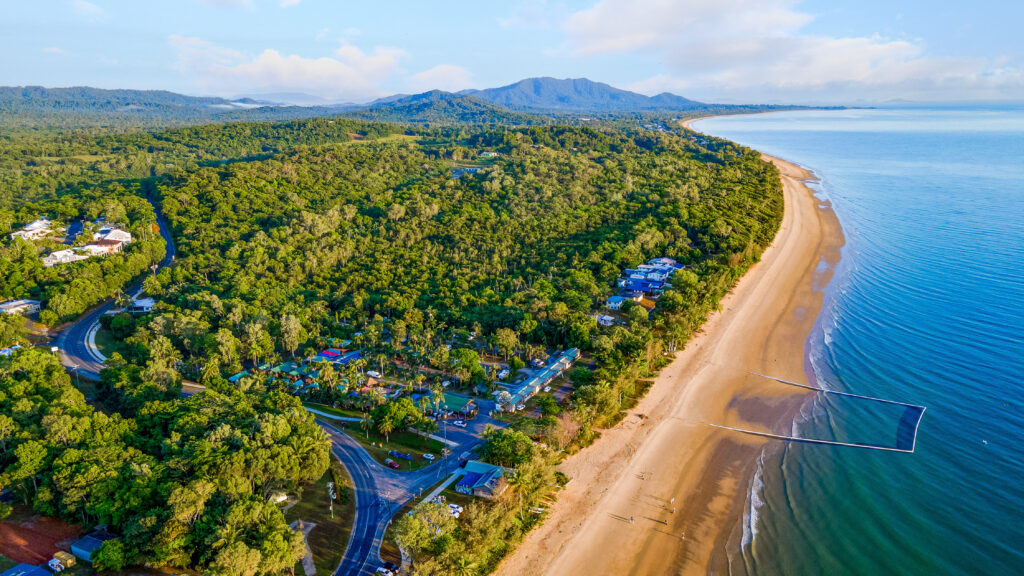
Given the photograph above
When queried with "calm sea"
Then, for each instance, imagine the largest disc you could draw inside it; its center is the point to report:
(927, 307)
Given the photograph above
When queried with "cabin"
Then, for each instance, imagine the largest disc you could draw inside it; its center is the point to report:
(85, 547)
(141, 306)
(482, 480)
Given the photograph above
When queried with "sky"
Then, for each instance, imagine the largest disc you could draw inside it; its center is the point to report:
(728, 51)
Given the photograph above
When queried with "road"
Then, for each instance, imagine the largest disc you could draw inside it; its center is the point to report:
(75, 353)
(381, 492)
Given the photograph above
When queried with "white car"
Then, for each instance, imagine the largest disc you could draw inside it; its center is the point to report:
(429, 457)
(385, 571)
(520, 407)
(459, 423)
(547, 388)
(374, 374)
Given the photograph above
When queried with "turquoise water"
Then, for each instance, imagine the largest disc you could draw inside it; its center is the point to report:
(926, 307)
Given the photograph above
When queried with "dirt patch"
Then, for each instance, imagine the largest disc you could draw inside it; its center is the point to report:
(34, 540)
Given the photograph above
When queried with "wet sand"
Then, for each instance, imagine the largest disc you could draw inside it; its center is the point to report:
(660, 492)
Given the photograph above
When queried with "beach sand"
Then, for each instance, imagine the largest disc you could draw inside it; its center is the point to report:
(660, 492)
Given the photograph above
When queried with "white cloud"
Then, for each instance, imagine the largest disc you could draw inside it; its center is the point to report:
(348, 74)
(54, 50)
(443, 77)
(756, 50)
(87, 10)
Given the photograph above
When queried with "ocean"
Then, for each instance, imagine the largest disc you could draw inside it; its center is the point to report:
(926, 307)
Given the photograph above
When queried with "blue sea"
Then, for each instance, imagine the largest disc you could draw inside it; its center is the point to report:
(926, 307)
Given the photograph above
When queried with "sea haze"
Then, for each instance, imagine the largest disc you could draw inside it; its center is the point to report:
(927, 307)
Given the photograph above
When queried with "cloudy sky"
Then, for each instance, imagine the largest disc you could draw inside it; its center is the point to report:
(787, 51)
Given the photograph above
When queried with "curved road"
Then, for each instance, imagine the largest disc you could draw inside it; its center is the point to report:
(380, 493)
(75, 353)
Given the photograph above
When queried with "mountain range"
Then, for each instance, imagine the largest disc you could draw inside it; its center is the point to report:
(528, 101)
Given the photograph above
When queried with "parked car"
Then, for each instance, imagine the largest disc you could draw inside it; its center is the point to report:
(383, 570)
(391, 463)
(459, 423)
(429, 457)
(520, 407)
(547, 388)
(402, 455)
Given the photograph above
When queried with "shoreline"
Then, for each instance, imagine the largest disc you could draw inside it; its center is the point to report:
(682, 482)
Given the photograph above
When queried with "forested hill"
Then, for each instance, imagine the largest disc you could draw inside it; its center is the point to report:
(438, 107)
(579, 95)
(79, 106)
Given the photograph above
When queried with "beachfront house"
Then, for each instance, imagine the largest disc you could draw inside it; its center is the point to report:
(482, 480)
(19, 307)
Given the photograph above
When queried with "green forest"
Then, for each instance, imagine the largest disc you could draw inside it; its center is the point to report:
(295, 236)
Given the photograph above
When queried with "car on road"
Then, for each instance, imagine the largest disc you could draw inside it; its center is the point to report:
(459, 423)
(391, 566)
(429, 457)
(391, 463)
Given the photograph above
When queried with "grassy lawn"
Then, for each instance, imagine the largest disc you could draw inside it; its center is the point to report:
(106, 342)
(330, 536)
(403, 441)
(6, 563)
(341, 412)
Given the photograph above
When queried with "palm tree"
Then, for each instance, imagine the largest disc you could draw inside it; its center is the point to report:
(465, 567)
(386, 427)
(366, 423)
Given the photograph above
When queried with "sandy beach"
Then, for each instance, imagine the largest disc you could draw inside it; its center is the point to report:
(660, 492)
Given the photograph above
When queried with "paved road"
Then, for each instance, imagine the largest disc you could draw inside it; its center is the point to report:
(75, 353)
(381, 492)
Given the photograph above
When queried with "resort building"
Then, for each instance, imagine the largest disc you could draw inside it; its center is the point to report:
(34, 230)
(19, 307)
(523, 392)
(615, 302)
(63, 257)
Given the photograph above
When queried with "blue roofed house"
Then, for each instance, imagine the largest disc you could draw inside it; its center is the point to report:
(25, 570)
(85, 547)
(482, 480)
(615, 302)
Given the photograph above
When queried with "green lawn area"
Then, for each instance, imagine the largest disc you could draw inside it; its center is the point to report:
(402, 441)
(330, 536)
(6, 563)
(106, 342)
(341, 412)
